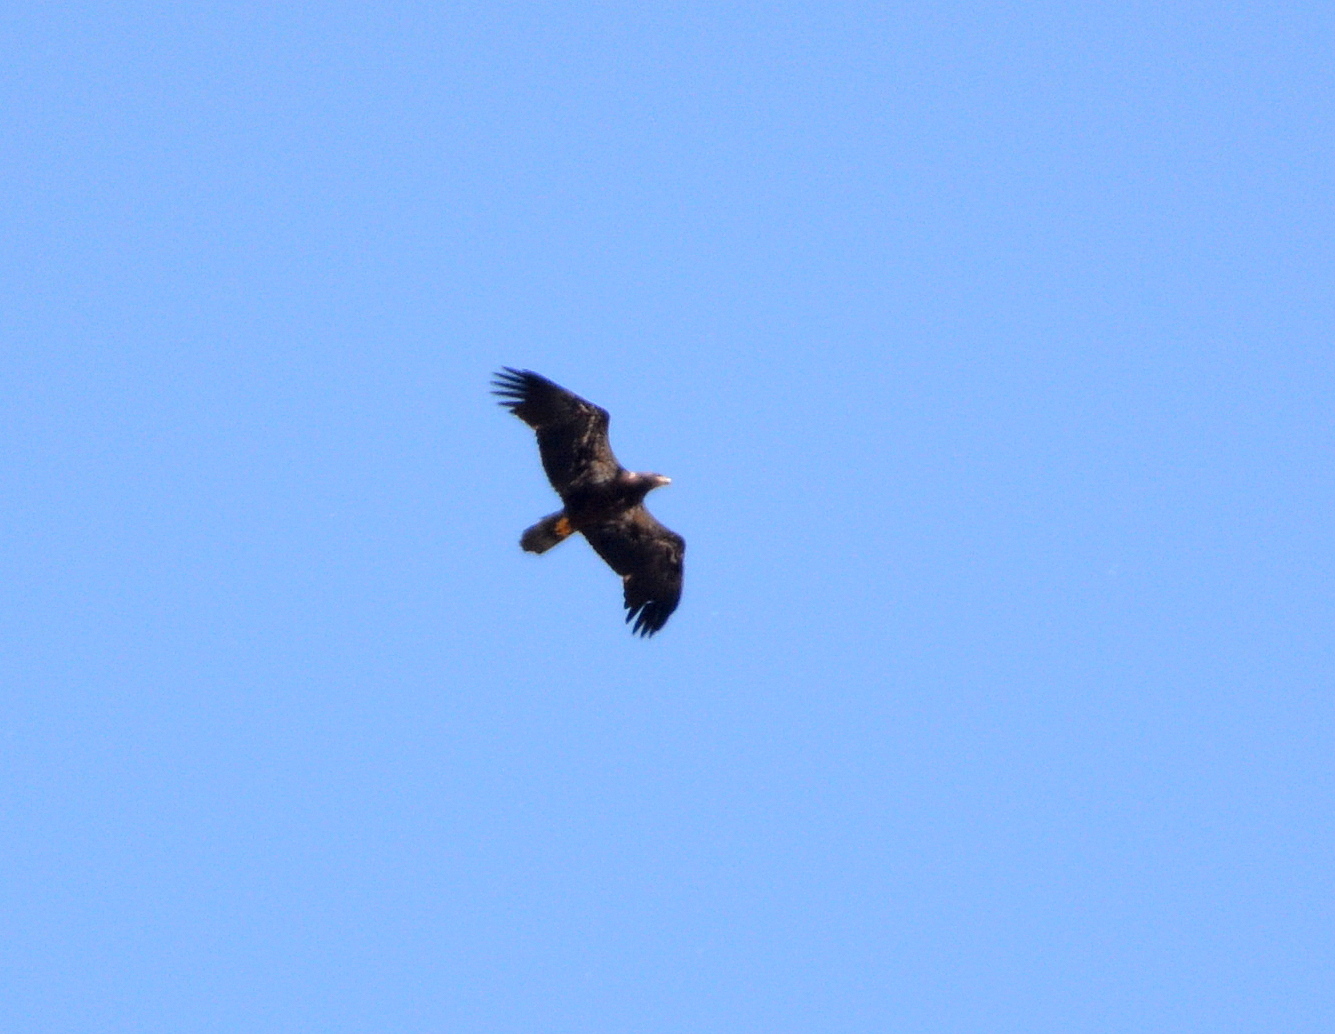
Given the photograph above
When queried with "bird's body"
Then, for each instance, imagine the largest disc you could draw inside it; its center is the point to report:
(602, 500)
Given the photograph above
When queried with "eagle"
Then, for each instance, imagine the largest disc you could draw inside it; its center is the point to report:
(603, 500)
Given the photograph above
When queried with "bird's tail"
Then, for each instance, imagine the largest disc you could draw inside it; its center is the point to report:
(547, 532)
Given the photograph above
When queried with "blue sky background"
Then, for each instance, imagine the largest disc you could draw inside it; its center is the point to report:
(989, 346)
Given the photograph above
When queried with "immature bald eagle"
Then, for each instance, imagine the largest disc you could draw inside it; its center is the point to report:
(603, 501)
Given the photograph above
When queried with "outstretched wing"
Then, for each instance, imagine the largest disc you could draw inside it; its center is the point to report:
(572, 433)
(649, 559)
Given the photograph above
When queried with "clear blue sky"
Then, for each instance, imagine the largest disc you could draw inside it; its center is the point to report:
(989, 348)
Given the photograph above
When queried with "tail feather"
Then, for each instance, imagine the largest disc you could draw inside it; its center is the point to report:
(547, 533)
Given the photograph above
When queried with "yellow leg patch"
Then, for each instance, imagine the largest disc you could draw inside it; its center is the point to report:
(563, 528)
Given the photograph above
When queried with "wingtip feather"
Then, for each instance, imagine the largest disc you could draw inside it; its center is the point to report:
(512, 386)
(648, 617)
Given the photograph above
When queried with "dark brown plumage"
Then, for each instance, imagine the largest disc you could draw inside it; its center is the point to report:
(603, 501)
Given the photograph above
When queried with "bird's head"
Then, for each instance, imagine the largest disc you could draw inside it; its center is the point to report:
(642, 484)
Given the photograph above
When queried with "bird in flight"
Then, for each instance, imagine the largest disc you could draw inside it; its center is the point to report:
(603, 500)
